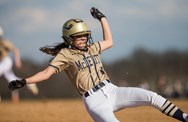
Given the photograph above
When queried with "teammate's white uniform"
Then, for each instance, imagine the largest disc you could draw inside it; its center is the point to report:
(6, 69)
(6, 64)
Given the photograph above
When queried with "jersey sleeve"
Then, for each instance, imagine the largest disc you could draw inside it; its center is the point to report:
(96, 47)
(59, 62)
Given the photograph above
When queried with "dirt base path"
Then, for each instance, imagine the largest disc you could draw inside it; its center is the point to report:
(74, 111)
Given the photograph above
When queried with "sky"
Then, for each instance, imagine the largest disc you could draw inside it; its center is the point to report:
(155, 25)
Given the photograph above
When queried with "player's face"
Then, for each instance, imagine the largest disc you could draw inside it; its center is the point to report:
(80, 41)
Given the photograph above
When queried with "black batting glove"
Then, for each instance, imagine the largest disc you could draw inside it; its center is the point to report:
(96, 13)
(16, 84)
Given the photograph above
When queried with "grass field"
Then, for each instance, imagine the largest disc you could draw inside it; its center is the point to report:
(74, 111)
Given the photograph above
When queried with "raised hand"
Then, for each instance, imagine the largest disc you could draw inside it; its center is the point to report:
(96, 13)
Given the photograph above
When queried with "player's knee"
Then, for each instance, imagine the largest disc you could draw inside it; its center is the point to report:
(157, 100)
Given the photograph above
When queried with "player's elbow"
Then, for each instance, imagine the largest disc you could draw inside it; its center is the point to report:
(48, 72)
(106, 44)
(110, 43)
(45, 75)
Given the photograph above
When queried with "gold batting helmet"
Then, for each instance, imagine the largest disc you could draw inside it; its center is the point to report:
(74, 27)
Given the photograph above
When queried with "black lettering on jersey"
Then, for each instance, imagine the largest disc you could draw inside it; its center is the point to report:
(84, 65)
(80, 65)
(90, 63)
(87, 62)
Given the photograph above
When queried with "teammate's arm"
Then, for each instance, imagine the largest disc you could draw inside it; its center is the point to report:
(107, 41)
(11, 47)
(16, 53)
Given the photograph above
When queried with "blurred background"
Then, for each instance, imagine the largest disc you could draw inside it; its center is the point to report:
(150, 42)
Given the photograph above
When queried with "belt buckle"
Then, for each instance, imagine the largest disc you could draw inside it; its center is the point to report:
(86, 94)
(96, 88)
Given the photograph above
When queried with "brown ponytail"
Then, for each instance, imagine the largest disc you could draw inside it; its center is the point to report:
(53, 50)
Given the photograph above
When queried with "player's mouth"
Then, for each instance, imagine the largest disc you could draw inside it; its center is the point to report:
(82, 45)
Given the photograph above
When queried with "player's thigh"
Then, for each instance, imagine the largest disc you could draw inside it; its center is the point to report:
(5, 65)
(132, 97)
(9, 75)
(99, 107)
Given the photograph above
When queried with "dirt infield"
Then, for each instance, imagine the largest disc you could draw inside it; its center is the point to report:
(74, 111)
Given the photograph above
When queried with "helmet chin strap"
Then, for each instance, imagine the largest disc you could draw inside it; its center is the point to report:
(85, 49)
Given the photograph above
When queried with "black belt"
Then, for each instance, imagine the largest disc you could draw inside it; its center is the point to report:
(96, 88)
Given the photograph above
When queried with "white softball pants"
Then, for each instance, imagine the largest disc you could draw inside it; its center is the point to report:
(6, 69)
(102, 104)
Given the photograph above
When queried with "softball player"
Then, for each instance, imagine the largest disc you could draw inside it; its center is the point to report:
(79, 57)
(6, 64)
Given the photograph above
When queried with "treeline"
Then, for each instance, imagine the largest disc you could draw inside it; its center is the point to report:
(145, 65)
(165, 73)
(142, 67)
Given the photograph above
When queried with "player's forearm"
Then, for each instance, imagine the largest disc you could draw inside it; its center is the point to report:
(41, 76)
(107, 35)
(36, 78)
(107, 41)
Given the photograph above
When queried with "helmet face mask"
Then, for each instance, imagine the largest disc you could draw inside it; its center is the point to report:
(74, 27)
